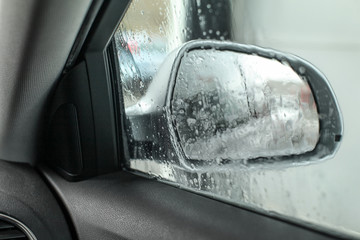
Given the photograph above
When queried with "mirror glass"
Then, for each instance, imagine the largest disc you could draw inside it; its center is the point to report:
(234, 106)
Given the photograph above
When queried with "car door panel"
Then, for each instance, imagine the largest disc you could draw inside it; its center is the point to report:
(126, 206)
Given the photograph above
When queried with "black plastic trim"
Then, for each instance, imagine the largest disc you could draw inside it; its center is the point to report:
(88, 87)
(82, 35)
(97, 62)
(125, 206)
(105, 25)
(73, 90)
(25, 197)
(118, 103)
(12, 228)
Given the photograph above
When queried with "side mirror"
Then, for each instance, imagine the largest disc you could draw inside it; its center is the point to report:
(219, 102)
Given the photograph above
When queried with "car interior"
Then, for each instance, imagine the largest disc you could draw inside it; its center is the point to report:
(65, 171)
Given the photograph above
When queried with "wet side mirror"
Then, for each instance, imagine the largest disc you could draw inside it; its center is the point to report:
(216, 102)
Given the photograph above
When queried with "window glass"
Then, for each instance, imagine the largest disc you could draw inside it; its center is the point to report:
(327, 35)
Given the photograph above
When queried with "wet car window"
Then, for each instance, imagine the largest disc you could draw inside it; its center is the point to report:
(147, 38)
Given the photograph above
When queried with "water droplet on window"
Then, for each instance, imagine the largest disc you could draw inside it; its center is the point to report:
(302, 70)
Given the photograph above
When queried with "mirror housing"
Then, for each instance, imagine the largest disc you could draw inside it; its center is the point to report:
(320, 133)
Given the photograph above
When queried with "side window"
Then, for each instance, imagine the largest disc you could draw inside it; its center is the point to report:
(218, 133)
